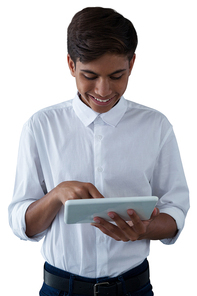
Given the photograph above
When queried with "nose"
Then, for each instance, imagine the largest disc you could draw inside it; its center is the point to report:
(103, 88)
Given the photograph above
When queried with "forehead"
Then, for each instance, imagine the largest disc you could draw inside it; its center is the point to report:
(106, 64)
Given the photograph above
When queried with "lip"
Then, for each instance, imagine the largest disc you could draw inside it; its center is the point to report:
(102, 102)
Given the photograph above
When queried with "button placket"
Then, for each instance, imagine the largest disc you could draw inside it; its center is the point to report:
(98, 165)
(101, 247)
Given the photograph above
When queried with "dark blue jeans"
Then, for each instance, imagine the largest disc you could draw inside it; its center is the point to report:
(48, 291)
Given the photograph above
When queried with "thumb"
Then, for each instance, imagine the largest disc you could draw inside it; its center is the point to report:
(154, 213)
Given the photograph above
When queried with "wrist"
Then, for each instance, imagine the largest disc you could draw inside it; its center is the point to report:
(57, 196)
(161, 227)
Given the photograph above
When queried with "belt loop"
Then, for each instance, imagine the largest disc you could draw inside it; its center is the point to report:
(70, 292)
(121, 279)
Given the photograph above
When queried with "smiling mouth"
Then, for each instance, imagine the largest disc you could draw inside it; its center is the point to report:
(101, 101)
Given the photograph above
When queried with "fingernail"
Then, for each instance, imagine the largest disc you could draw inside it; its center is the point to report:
(96, 220)
(111, 215)
(130, 212)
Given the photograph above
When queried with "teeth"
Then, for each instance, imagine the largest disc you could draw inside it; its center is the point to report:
(102, 101)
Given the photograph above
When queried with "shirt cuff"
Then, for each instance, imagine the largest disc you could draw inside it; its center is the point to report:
(18, 224)
(179, 217)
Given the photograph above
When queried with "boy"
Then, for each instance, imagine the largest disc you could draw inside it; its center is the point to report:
(98, 145)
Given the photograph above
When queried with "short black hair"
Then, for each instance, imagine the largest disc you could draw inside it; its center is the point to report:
(95, 31)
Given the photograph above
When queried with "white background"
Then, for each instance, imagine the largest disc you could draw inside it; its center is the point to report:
(34, 74)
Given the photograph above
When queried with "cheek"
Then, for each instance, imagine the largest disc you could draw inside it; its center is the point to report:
(84, 85)
(121, 86)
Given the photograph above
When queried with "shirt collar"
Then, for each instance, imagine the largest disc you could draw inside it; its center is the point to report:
(87, 115)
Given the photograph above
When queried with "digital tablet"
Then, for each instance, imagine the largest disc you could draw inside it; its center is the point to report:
(84, 210)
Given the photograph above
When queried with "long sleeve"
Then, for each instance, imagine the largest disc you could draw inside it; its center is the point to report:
(29, 184)
(169, 183)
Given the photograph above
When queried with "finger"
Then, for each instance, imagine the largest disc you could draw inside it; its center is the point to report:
(126, 228)
(154, 213)
(138, 225)
(78, 192)
(81, 190)
(110, 229)
(93, 191)
(106, 231)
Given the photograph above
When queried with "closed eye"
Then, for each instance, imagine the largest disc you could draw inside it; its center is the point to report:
(95, 75)
(116, 78)
(112, 77)
(90, 78)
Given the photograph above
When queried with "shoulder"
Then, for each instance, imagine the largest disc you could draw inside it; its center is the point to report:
(145, 113)
(53, 110)
(142, 109)
(148, 120)
(49, 114)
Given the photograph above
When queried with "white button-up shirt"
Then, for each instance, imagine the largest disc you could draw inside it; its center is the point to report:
(130, 150)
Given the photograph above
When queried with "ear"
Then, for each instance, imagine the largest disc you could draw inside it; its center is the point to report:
(131, 63)
(71, 65)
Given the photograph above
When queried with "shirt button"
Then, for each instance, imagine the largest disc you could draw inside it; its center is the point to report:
(100, 169)
(99, 137)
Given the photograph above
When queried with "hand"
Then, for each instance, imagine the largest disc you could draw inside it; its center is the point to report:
(76, 190)
(135, 229)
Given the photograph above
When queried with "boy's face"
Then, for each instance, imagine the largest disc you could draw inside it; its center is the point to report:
(102, 82)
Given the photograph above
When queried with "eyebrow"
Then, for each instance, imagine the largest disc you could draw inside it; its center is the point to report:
(115, 72)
